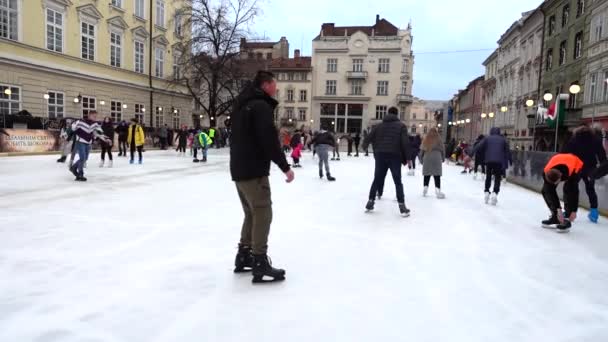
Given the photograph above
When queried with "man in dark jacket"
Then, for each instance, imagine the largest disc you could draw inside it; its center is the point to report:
(479, 155)
(323, 142)
(391, 149)
(496, 154)
(255, 143)
(587, 147)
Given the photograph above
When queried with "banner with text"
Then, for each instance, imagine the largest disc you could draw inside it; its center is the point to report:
(28, 140)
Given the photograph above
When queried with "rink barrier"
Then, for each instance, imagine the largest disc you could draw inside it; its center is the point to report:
(527, 172)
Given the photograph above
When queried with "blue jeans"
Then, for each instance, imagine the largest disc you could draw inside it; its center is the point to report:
(83, 154)
(384, 162)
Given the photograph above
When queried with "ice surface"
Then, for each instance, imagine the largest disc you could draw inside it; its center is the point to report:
(145, 254)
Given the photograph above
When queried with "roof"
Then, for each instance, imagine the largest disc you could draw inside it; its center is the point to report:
(491, 57)
(258, 45)
(516, 24)
(291, 63)
(382, 28)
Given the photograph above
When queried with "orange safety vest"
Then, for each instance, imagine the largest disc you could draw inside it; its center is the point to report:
(574, 164)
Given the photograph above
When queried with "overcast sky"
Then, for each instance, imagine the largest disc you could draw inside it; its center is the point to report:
(439, 25)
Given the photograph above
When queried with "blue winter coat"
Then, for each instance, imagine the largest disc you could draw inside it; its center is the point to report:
(495, 148)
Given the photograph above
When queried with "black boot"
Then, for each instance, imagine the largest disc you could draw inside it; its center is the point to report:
(204, 159)
(62, 159)
(73, 170)
(369, 206)
(405, 212)
(244, 260)
(262, 266)
(552, 222)
(564, 227)
(330, 178)
(321, 174)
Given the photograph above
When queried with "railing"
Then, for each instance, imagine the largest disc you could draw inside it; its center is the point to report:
(356, 74)
(405, 98)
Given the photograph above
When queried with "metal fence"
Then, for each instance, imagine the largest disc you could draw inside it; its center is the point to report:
(527, 171)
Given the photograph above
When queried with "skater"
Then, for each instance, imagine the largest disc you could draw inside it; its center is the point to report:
(108, 130)
(123, 133)
(496, 153)
(415, 142)
(136, 139)
(336, 152)
(349, 140)
(182, 140)
(357, 141)
(391, 149)
(467, 160)
(85, 130)
(67, 138)
(365, 134)
(296, 149)
(566, 168)
(587, 146)
(203, 141)
(162, 135)
(255, 143)
(432, 154)
(323, 142)
(190, 141)
(479, 157)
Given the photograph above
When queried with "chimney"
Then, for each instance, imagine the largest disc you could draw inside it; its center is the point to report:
(327, 29)
(377, 18)
(243, 42)
(296, 53)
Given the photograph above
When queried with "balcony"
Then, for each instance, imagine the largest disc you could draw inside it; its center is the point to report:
(404, 98)
(356, 75)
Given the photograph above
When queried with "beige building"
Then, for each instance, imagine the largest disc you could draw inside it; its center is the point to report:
(358, 73)
(595, 105)
(264, 50)
(421, 116)
(66, 57)
(294, 90)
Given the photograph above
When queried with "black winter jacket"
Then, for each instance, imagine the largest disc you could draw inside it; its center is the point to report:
(108, 130)
(588, 147)
(123, 131)
(324, 138)
(255, 140)
(182, 136)
(390, 137)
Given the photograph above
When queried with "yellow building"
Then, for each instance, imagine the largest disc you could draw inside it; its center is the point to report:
(63, 58)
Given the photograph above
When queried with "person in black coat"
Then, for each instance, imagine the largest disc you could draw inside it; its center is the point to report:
(182, 139)
(357, 141)
(479, 157)
(391, 150)
(106, 147)
(122, 130)
(587, 146)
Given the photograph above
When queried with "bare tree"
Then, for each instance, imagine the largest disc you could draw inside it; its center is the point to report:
(209, 60)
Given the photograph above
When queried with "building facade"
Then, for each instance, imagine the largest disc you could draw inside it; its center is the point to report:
(422, 116)
(294, 90)
(564, 62)
(264, 50)
(489, 101)
(595, 107)
(468, 110)
(358, 73)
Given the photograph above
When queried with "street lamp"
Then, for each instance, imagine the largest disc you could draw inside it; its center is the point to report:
(8, 91)
(102, 102)
(530, 103)
(504, 109)
(200, 116)
(46, 96)
(143, 109)
(76, 100)
(468, 120)
(575, 89)
(491, 115)
(548, 97)
(160, 109)
(438, 125)
(450, 123)
(483, 115)
(311, 120)
(124, 106)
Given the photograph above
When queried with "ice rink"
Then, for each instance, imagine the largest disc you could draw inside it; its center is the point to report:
(145, 254)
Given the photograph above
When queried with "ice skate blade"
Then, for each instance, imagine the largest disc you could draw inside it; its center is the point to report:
(242, 269)
(404, 215)
(261, 280)
(562, 231)
(548, 226)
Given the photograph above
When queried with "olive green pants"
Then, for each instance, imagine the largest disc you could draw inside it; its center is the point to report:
(257, 205)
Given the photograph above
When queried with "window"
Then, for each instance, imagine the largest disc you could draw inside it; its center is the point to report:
(578, 45)
(55, 105)
(580, 8)
(54, 30)
(384, 65)
(302, 115)
(426, 116)
(9, 16)
(549, 64)
(176, 71)
(178, 25)
(605, 86)
(565, 15)
(159, 119)
(357, 87)
(160, 13)
(269, 55)
(289, 113)
(403, 88)
(380, 112)
(289, 95)
(139, 57)
(116, 110)
(159, 62)
(115, 49)
(140, 8)
(303, 96)
(562, 52)
(88, 104)
(572, 99)
(597, 29)
(330, 87)
(176, 119)
(551, 25)
(10, 104)
(117, 3)
(332, 65)
(139, 112)
(404, 65)
(88, 41)
(425, 129)
(413, 116)
(382, 88)
(413, 129)
(593, 88)
(290, 76)
(358, 65)
(260, 56)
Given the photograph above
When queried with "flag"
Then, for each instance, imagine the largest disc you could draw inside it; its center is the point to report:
(555, 113)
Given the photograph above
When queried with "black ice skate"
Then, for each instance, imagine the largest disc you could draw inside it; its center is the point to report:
(80, 179)
(320, 174)
(551, 223)
(330, 178)
(564, 227)
(262, 267)
(369, 206)
(195, 161)
(74, 171)
(244, 260)
(405, 212)
(61, 160)
(204, 159)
